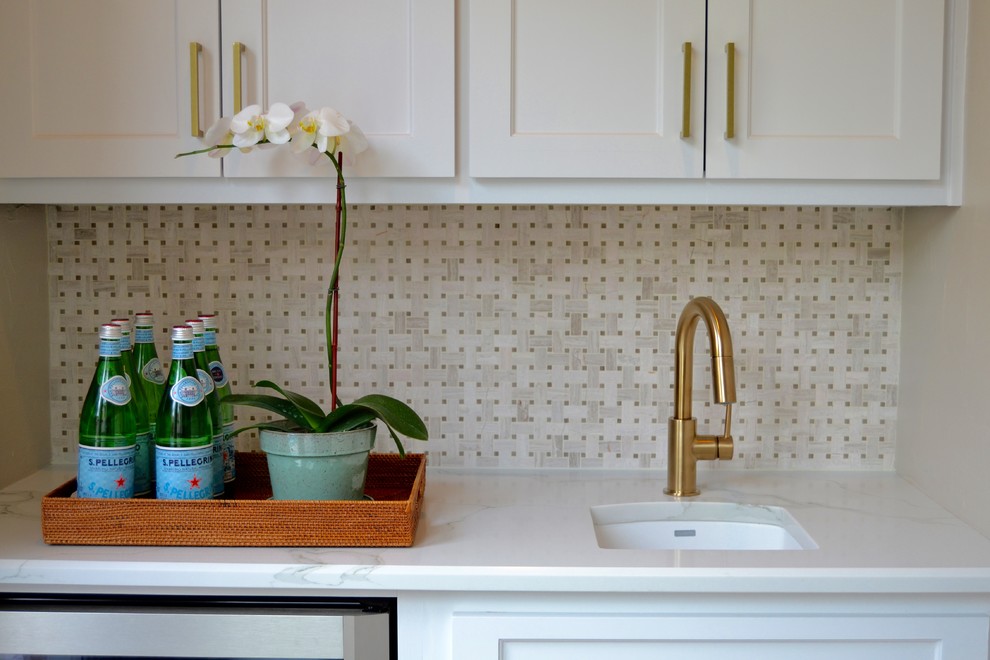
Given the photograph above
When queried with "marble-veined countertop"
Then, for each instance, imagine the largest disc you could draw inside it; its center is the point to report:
(532, 531)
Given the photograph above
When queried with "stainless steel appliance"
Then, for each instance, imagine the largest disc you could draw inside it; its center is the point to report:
(75, 626)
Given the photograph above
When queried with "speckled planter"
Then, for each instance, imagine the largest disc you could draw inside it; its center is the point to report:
(318, 466)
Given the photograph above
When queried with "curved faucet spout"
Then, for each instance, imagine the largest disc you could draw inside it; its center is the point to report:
(723, 371)
(684, 446)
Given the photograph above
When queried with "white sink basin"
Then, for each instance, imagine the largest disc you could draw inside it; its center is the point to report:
(698, 526)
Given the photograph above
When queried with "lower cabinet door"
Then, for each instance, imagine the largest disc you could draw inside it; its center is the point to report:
(629, 637)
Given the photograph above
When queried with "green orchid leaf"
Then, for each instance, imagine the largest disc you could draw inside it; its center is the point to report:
(398, 443)
(397, 416)
(306, 406)
(346, 418)
(353, 415)
(273, 404)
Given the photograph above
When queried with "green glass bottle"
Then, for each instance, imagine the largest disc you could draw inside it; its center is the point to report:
(212, 401)
(222, 382)
(184, 431)
(143, 460)
(151, 376)
(107, 430)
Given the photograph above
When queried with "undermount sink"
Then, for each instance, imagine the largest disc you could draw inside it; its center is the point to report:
(698, 526)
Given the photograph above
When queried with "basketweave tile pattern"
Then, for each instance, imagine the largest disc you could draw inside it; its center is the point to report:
(526, 336)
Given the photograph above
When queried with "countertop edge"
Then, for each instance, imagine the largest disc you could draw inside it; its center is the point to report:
(51, 576)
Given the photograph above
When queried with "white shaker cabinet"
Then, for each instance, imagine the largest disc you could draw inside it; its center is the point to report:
(726, 636)
(116, 88)
(586, 89)
(386, 65)
(107, 88)
(844, 89)
(850, 89)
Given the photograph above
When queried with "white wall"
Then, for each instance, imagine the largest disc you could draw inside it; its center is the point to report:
(944, 404)
(23, 358)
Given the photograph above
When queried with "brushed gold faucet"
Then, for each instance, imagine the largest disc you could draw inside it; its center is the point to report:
(684, 446)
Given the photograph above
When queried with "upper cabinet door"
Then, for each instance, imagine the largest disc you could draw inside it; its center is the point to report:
(844, 89)
(387, 65)
(103, 88)
(586, 89)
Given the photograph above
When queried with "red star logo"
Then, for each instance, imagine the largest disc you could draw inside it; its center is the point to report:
(194, 482)
(121, 481)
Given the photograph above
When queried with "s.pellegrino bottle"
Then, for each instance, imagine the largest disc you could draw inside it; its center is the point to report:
(151, 376)
(212, 401)
(184, 431)
(107, 430)
(143, 460)
(222, 383)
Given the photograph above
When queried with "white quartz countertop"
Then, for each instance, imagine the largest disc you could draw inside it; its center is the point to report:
(532, 531)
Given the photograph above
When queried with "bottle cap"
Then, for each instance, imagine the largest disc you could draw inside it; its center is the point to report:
(125, 325)
(196, 325)
(109, 331)
(144, 318)
(182, 333)
(209, 321)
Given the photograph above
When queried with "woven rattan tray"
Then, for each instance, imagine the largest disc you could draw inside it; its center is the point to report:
(396, 485)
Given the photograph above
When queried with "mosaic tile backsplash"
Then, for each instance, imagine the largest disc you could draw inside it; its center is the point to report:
(526, 337)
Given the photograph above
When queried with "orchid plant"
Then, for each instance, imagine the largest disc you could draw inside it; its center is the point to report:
(318, 133)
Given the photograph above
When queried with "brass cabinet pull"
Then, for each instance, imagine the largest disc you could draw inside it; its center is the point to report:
(238, 53)
(686, 111)
(194, 51)
(730, 91)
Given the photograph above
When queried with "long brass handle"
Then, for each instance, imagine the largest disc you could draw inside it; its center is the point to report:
(730, 91)
(686, 110)
(194, 51)
(238, 53)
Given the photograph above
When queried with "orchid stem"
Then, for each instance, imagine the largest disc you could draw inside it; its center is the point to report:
(333, 291)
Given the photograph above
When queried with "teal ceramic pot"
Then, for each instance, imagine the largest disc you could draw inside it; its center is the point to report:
(318, 466)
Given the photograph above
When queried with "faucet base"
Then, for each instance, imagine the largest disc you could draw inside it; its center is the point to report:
(682, 465)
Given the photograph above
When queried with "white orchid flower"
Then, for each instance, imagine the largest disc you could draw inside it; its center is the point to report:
(325, 129)
(304, 132)
(219, 134)
(319, 129)
(250, 126)
(328, 131)
(352, 143)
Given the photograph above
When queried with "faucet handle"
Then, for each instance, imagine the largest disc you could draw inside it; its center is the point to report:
(710, 447)
(724, 444)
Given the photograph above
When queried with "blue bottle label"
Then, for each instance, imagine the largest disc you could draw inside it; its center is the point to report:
(109, 347)
(209, 337)
(184, 473)
(206, 380)
(182, 351)
(106, 473)
(152, 371)
(144, 335)
(116, 390)
(218, 372)
(188, 391)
